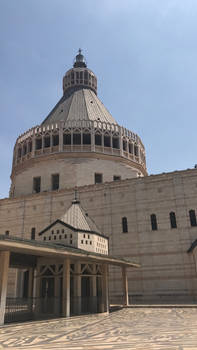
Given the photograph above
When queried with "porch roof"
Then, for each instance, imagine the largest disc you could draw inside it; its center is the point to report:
(60, 251)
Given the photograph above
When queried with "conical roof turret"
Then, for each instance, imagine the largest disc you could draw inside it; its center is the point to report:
(79, 101)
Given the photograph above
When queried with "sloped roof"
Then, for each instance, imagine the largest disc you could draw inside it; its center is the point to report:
(79, 104)
(39, 248)
(77, 218)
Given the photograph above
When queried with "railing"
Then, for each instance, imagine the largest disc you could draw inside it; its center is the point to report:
(19, 309)
(25, 309)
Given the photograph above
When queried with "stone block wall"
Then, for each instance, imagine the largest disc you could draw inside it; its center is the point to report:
(168, 272)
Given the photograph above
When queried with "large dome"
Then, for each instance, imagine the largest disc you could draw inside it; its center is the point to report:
(78, 143)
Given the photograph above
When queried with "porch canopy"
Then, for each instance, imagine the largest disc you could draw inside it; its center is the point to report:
(29, 254)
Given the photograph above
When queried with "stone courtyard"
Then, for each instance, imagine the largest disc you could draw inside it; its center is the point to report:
(169, 328)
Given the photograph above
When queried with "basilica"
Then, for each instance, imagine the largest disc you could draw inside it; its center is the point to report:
(85, 226)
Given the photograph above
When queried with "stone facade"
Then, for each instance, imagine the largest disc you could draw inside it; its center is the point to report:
(146, 218)
(73, 171)
(168, 271)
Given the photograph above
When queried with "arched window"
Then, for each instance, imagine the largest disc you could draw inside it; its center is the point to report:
(38, 143)
(115, 142)
(192, 216)
(107, 141)
(124, 225)
(124, 145)
(86, 139)
(19, 153)
(30, 146)
(24, 149)
(55, 140)
(67, 139)
(76, 139)
(136, 151)
(173, 220)
(153, 220)
(98, 139)
(33, 233)
(131, 148)
(47, 141)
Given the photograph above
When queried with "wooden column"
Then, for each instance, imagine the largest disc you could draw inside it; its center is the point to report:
(66, 288)
(30, 287)
(77, 288)
(4, 266)
(94, 289)
(125, 286)
(105, 292)
(57, 295)
(38, 291)
(30, 282)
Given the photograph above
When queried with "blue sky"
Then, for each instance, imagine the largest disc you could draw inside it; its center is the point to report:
(144, 53)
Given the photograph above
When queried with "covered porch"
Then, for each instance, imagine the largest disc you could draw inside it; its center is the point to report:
(58, 281)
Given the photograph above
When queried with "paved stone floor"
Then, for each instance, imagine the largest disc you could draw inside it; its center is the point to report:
(133, 328)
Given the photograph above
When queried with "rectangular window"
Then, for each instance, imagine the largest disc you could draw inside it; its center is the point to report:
(98, 178)
(153, 219)
(192, 216)
(55, 182)
(36, 184)
(33, 233)
(116, 178)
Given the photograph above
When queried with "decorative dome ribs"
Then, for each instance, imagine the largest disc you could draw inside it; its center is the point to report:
(80, 124)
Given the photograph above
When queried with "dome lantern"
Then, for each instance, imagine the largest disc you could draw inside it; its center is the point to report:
(79, 60)
(79, 77)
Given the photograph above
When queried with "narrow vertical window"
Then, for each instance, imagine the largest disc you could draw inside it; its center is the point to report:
(173, 220)
(124, 225)
(36, 184)
(153, 220)
(192, 216)
(98, 178)
(55, 182)
(33, 233)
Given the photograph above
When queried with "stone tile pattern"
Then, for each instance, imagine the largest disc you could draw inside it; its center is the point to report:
(134, 328)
